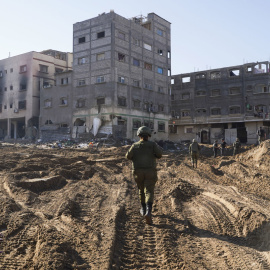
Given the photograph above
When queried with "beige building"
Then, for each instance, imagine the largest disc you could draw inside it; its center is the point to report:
(20, 78)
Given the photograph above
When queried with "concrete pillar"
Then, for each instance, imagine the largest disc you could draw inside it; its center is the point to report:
(8, 128)
(15, 123)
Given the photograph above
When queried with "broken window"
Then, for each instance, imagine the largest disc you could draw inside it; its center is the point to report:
(235, 110)
(136, 103)
(149, 124)
(148, 86)
(11, 70)
(100, 100)
(22, 105)
(146, 106)
(249, 69)
(186, 96)
(58, 70)
(160, 70)
(235, 91)
(215, 75)
(11, 87)
(234, 72)
(136, 83)
(121, 57)
(122, 101)
(11, 106)
(215, 92)
(200, 76)
(161, 108)
(136, 42)
(64, 81)
(81, 82)
(200, 93)
(23, 68)
(137, 123)
(147, 66)
(63, 101)
(101, 34)
(63, 125)
(100, 56)
(160, 89)
(80, 103)
(47, 103)
(43, 68)
(136, 62)
(188, 129)
(260, 68)
(81, 61)
(22, 87)
(147, 46)
(161, 126)
(215, 111)
(48, 122)
(160, 52)
(185, 113)
(121, 79)
(121, 35)
(159, 32)
(5, 88)
(100, 79)
(5, 107)
(186, 79)
(81, 40)
(261, 88)
(46, 84)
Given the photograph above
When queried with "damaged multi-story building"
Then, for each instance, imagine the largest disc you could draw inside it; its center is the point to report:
(220, 103)
(120, 79)
(20, 78)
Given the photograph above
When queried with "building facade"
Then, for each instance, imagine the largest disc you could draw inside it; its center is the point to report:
(121, 75)
(20, 78)
(220, 103)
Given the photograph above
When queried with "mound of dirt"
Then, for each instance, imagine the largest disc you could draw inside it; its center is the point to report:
(79, 209)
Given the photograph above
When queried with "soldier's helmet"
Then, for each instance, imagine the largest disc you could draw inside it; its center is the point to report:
(144, 131)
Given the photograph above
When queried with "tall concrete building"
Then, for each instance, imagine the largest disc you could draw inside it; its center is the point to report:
(228, 102)
(121, 75)
(20, 78)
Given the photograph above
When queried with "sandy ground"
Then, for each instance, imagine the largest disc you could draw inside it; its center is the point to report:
(75, 209)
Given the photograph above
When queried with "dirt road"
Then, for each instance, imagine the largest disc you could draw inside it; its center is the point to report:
(72, 209)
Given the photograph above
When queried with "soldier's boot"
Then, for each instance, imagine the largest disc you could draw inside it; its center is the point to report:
(143, 209)
(148, 214)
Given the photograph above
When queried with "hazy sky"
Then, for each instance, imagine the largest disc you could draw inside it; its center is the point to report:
(205, 33)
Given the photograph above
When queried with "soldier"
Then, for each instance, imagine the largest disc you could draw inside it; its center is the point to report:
(143, 155)
(222, 147)
(194, 150)
(236, 146)
(215, 148)
(261, 135)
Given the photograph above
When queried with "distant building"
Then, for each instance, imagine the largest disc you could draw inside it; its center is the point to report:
(121, 77)
(227, 102)
(20, 78)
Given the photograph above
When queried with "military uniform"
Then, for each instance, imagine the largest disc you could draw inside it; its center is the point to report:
(194, 150)
(236, 147)
(143, 155)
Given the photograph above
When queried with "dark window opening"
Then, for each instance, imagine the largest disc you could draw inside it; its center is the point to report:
(100, 101)
(81, 39)
(122, 101)
(22, 105)
(101, 34)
